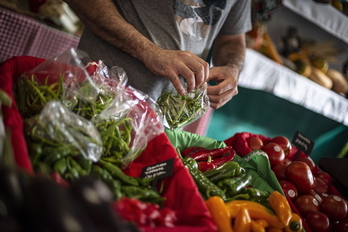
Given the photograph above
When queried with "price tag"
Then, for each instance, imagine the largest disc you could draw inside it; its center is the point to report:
(302, 143)
(159, 170)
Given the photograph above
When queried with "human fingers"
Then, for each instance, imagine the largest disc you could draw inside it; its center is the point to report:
(194, 69)
(218, 98)
(175, 80)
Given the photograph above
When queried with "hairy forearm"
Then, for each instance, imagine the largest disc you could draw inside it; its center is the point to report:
(230, 51)
(103, 19)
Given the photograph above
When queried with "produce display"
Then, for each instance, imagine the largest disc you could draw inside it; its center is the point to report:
(99, 136)
(128, 190)
(308, 189)
(238, 198)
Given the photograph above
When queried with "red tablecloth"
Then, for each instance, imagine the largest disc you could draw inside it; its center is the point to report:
(21, 35)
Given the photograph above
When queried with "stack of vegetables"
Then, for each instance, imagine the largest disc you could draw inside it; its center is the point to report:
(241, 193)
(309, 190)
(234, 203)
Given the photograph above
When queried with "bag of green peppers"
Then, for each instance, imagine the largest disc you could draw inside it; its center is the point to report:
(57, 133)
(178, 110)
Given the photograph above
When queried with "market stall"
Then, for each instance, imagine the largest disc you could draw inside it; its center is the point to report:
(79, 150)
(211, 176)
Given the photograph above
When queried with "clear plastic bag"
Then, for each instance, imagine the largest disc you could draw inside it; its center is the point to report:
(125, 118)
(127, 125)
(63, 78)
(58, 131)
(178, 110)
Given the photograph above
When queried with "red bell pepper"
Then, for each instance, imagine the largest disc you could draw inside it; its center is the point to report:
(191, 150)
(206, 165)
(224, 158)
(202, 155)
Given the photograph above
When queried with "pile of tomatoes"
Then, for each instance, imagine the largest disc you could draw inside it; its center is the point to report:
(308, 187)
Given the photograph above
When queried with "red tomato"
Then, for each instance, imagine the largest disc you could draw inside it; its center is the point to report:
(289, 189)
(334, 207)
(299, 173)
(287, 161)
(324, 176)
(305, 204)
(317, 196)
(320, 186)
(342, 226)
(279, 171)
(275, 153)
(255, 143)
(283, 142)
(308, 160)
(317, 221)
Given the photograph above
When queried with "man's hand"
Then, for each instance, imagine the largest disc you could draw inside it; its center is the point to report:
(228, 60)
(171, 64)
(226, 88)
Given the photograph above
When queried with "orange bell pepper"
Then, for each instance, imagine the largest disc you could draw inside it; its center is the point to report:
(255, 210)
(256, 227)
(219, 213)
(281, 207)
(295, 224)
(242, 223)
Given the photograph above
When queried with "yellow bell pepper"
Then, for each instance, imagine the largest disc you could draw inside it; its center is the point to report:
(256, 226)
(281, 207)
(255, 210)
(295, 224)
(219, 213)
(262, 222)
(242, 222)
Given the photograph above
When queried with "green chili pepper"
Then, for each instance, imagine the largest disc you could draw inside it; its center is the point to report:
(144, 194)
(232, 186)
(241, 196)
(52, 154)
(257, 195)
(72, 164)
(61, 166)
(43, 169)
(144, 182)
(86, 164)
(71, 174)
(99, 172)
(117, 173)
(105, 176)
(205, 186)
(113, 160)
(226, 170)
(35, 151)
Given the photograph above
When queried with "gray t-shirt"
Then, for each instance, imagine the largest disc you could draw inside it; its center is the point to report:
(187, 25)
